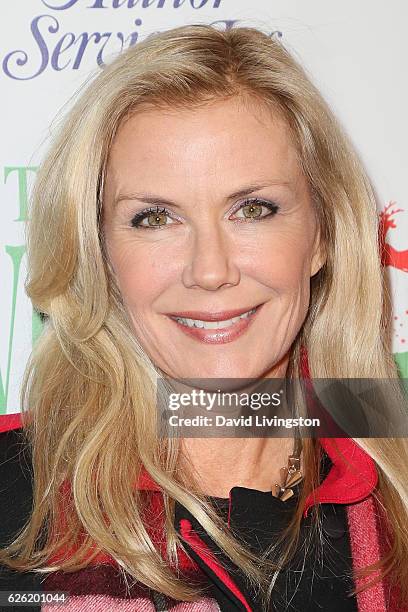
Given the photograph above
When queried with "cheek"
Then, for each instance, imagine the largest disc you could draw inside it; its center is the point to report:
(282, 262)
(140, 274)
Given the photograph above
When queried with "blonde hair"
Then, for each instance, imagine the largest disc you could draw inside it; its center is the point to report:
(88, 395)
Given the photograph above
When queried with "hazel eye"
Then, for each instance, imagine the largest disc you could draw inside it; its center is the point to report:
(155, 217)
(252, 209)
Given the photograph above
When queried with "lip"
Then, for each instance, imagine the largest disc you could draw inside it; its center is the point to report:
(220, 335)
(202, 315)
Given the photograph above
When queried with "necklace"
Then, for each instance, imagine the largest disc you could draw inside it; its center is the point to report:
(290, 475)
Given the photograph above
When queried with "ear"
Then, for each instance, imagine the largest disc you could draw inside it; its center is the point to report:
(319, 255)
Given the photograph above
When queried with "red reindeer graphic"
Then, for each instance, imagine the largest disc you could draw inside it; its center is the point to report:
(389, 255)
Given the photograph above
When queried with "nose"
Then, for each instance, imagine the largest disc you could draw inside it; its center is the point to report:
(210, 263)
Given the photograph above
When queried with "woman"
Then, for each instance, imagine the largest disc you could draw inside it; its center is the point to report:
(201, 176)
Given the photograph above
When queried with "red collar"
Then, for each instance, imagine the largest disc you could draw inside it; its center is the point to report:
(353, 475)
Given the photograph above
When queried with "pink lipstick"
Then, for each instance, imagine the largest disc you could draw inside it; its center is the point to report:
(216, 327)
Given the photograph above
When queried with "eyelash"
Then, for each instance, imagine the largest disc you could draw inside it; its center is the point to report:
(156, 209)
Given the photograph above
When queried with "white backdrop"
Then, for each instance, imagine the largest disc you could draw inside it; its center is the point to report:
(356, 53)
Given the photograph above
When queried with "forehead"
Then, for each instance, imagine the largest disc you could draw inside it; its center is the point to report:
(224, 138)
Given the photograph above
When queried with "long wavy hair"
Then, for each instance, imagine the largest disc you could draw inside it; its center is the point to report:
(88, 394)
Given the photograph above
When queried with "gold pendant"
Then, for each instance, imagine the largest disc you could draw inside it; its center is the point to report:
(290, 476)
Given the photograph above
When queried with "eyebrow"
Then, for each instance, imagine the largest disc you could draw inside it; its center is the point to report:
(150, 198)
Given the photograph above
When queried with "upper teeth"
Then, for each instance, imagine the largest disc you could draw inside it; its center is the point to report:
(213, 324)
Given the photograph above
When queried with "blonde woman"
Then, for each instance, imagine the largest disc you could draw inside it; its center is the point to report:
(200, 177)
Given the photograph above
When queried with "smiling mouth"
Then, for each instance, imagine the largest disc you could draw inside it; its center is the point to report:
(221, 331)
(222, 324)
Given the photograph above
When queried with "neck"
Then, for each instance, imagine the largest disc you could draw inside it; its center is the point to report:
(217, 465)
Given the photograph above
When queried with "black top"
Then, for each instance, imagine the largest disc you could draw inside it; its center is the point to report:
(257, 517)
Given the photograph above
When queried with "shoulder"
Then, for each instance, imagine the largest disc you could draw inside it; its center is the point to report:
(16, 496)
(15, 457)
(15, 477)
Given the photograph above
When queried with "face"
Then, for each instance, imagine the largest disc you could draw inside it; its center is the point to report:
(206, 214)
